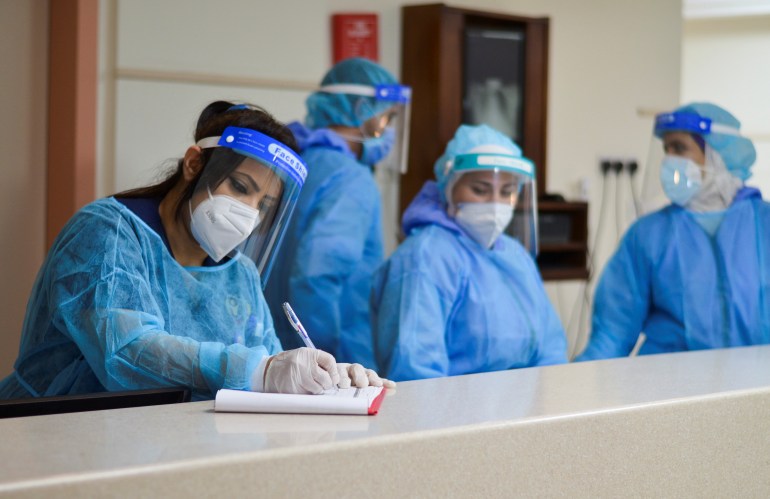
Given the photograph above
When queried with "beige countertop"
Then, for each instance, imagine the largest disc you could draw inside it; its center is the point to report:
(695, 422)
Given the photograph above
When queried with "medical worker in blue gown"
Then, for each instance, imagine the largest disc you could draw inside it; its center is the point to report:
(694, 274)
(162, 286)
(357, 119)
(459, 295)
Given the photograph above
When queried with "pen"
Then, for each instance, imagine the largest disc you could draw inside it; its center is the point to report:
(638, 345)
(297, 325)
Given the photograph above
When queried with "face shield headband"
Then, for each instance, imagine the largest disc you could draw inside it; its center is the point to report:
(490, 161)
(463, 163)
(262, 148)
(385, 141)
(689, 122)
(397, 94)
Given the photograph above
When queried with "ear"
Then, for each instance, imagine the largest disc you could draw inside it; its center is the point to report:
(192, 163)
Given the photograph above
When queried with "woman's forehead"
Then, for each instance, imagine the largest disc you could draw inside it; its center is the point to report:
(684, 137)
(488, 176)
(255, 169)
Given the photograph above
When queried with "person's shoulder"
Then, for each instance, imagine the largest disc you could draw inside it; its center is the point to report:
(432, 246)
(654, 223)
(764, 205)
(512, 245)
(518, 258)
(101, 219)
(433, 253)
(333, 170)
(98, 229)
(102, 211)
(329, 159)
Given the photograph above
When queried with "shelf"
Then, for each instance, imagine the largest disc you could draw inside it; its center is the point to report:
(560, 206)
(556, 274)
(559, 247)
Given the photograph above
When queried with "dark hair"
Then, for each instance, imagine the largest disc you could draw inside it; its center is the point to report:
(211, 123)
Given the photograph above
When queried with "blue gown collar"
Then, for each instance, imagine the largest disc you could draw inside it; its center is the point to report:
(322, 137)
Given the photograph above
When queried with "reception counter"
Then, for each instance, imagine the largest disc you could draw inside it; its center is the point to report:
(695, 423)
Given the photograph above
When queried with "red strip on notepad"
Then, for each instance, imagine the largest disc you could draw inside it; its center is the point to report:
(377, 402)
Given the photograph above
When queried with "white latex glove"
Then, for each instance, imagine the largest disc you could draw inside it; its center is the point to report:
(360, 377)
(304, 370)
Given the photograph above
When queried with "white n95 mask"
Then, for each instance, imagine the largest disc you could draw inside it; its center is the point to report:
(220, 223)
(484, 222)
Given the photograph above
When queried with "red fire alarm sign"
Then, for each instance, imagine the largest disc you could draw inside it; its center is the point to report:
(354, 35)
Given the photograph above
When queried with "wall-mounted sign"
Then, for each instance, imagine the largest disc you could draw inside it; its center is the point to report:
(354, 35)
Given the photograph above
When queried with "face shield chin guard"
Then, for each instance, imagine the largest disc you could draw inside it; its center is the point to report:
(673, 134)
(510, 180)
(260, 173)
(383, 111)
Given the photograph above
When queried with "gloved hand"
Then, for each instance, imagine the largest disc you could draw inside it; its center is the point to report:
(304, 370)
(360, 377)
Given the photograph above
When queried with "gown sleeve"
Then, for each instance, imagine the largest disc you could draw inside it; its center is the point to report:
(412, 307)
(621, 301)
(328, 252)
(552, 340)
(103, 299)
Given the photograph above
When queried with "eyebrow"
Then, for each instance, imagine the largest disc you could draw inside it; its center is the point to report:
(249, 179)
(486, 183)
(676, 140)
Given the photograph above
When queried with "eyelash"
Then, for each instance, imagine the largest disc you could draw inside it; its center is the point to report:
(238, 186)
(483, 192)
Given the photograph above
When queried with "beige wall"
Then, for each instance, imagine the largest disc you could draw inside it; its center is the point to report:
(727, 61)
(23, 52)
(607, 60)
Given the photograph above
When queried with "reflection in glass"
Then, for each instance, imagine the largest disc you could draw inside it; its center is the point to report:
(494, 79)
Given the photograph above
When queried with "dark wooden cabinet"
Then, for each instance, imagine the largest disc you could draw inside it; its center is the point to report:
(563, 236)
(510, 63)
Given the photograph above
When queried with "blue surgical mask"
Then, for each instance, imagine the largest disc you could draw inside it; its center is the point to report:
(681, 179)
(375, 149)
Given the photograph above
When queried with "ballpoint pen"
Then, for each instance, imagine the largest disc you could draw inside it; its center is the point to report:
(297, 325)
(638, 346)
(300, 329)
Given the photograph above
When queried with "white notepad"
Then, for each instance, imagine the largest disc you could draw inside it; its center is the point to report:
(361, 401)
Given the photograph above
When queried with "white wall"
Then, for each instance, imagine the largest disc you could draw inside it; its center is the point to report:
(23, 135)
(727, 61)
(608, 59)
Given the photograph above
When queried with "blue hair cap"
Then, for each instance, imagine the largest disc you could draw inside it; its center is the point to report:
(326, 109)
(467, 138)
(737, 151)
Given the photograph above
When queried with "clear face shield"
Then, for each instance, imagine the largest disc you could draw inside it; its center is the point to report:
(384, 114)
(245, 196)
(676, 162)
(492, 193)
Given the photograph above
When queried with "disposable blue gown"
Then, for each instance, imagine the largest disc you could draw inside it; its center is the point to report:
(330, 251)
(684, 289)
(443, 305)
(112, 310)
